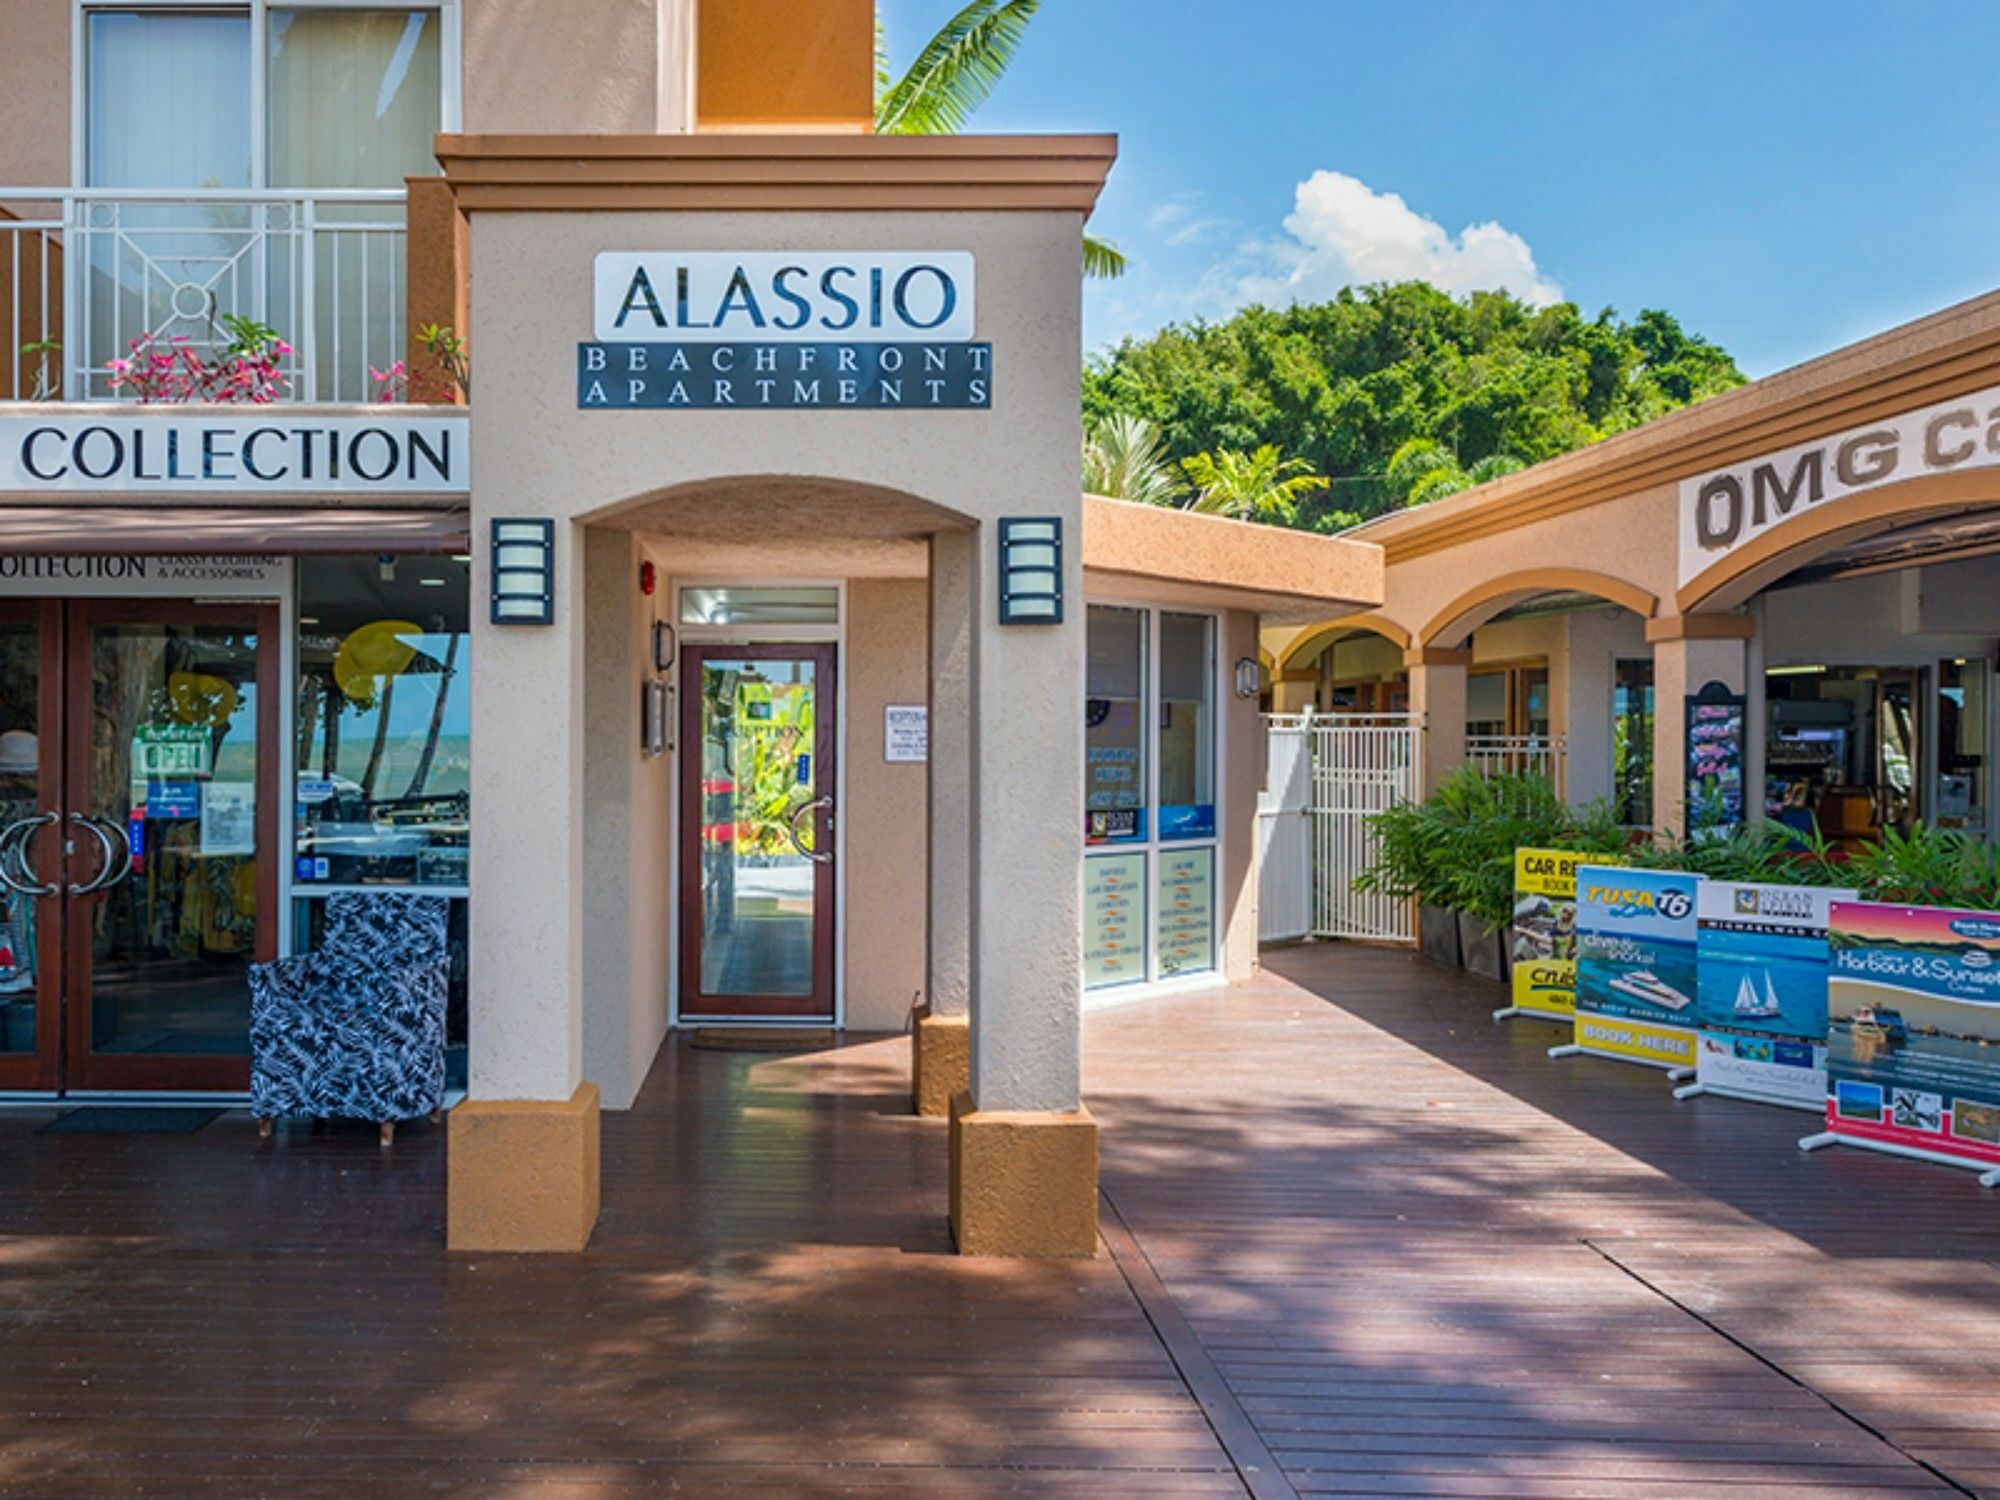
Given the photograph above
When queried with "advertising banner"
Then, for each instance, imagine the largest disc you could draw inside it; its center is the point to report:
(1913, 1039)
(1761, 997)
(1636, 964)
(1544, 933)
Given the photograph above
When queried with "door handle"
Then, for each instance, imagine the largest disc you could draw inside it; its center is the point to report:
(104, 870)
(14, 839)
(816, 855)
(109, 828)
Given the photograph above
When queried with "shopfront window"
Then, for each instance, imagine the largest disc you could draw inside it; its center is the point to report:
(1187, 726)
(1963, 709)
(1150, 734)
(384, 722)
(1632, 740)
(1113, 723)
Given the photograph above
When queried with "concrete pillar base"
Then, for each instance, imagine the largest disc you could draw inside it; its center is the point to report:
(1023, 1184)
(522, 1174)
(940, 1061)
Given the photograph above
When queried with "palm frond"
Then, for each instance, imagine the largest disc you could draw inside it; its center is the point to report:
(884, 74)
(1102, 260)
(957, 70)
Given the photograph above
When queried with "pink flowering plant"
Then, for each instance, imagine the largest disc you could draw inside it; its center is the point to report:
(247, 368)
(448, 380)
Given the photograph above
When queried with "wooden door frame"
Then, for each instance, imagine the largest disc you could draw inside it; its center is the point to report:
(819, 1006)
(85, 1069)
(40, 1071)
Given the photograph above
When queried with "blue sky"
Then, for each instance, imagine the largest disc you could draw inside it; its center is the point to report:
(1783, 177)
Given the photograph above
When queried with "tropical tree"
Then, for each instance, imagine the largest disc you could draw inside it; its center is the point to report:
(1423, 470)
(953, 75)
(1262, 485)
(1124, 458)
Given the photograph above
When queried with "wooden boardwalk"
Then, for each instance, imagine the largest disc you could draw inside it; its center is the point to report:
(1361, 1232)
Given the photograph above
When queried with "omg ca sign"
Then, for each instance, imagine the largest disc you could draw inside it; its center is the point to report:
(1729, 508)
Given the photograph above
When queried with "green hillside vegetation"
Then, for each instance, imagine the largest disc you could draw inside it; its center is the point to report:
(1399, 394)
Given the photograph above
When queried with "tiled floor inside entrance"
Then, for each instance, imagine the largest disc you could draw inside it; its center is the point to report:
(1373, 1237)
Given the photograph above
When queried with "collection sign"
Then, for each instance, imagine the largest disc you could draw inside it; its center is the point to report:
(1636, 966)
(1913, 1045)
(1761, 997)
(1725, 510)
(262, 451)
(142, 575)
(781, 330)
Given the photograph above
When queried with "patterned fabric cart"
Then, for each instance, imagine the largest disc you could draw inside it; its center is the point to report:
(356, 1029)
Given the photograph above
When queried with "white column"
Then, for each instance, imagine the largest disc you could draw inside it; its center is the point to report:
(954, 594)
(526, 910)
(1437, 691)
(1026, 843)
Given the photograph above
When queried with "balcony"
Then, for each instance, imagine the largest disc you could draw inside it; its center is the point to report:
(83, 273)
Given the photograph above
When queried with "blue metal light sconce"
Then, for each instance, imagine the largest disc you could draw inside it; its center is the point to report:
(1031, 570)
(524, 572)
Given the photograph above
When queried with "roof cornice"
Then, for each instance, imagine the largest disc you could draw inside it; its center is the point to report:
(807, 173)
(1935, 358)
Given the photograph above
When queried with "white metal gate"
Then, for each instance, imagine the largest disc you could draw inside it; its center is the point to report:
(1327, 776)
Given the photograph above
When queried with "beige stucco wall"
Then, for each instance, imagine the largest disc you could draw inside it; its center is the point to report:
(823, 472)
(884, 871)
(34, 94)
(585, 67)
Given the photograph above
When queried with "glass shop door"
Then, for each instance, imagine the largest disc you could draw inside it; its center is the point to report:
(138, 747)
(757, 741)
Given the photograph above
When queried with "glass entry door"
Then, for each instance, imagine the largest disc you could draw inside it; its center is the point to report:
(143, 882)
(757, 831)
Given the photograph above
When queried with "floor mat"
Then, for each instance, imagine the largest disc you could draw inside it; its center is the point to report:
(161, 1119)
(760, 1039)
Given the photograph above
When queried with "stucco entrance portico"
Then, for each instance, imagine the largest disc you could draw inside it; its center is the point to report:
(553, 704)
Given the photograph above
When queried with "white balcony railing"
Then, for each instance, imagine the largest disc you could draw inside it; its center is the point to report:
(90, 271)
(1523, 754)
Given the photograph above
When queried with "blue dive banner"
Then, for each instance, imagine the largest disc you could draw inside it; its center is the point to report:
(1761, 998)
(784, 377)
(1636, 964)
(1913, 1045)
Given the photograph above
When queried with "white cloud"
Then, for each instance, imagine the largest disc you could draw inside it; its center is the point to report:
(1344, 233)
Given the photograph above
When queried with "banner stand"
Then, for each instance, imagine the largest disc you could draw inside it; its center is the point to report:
(1508, 1012)
(1989, 1176)
(1698, 1090)
(1571, 1049)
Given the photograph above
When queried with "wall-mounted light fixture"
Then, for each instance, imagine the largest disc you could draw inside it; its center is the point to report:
(524, 572)
(663, 647)
(1031, 570)
(1247, 685)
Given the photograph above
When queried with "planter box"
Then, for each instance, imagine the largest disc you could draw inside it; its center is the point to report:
(1437, 931)
(1484, 952)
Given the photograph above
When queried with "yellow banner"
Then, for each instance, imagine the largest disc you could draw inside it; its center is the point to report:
(1613, 1036)
(1544, 930)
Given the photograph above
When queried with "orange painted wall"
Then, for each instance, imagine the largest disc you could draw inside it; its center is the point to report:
(769, 64)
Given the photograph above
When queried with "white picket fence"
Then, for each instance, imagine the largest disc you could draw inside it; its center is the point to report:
(1327, 775)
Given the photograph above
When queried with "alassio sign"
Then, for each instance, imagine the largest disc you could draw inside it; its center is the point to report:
(783, 330)
(770, 297)
(1726, 509)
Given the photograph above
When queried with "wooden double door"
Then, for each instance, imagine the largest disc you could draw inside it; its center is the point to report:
(138, 840)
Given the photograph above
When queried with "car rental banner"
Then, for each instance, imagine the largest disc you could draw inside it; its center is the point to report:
(1544, 933)
(1913, 1040)
(1636, 964)
(1761, 997)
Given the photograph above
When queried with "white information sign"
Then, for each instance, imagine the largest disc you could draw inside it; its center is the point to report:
(906, 734)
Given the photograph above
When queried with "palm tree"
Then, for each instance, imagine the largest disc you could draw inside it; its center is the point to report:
(1259, 486)
(1125, 458)
(1423, 470)
(953, 75)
